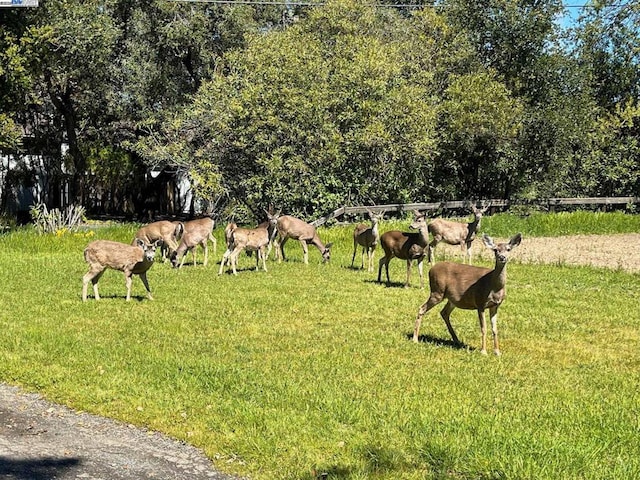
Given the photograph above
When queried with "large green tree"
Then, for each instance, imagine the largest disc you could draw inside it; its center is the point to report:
(341, 107)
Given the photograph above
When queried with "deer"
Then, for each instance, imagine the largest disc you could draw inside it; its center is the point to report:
(470, 288)
(368, 237)
(249, 239)
(407, 246)
(132, 260)
(196, 232)
(291, 227)
(165, 231)
(455, 233)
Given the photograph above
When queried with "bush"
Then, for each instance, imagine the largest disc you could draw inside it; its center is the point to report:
(55, 220)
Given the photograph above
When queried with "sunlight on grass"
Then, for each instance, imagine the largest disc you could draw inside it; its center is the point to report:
(308, 372)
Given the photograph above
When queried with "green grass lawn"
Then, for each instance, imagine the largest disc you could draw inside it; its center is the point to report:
(309, 369)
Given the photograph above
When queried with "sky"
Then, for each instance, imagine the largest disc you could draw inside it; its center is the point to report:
(572, 12)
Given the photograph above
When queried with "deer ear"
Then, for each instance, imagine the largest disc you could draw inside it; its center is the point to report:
(515, 240)
(488, 241)
(328, 245)
(140, 243)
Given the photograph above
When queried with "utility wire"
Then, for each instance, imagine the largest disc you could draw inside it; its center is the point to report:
(299, 3)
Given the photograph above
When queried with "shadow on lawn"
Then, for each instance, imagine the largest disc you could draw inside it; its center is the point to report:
(440, 342)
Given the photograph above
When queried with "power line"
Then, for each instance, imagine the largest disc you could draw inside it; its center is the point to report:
(301, 3)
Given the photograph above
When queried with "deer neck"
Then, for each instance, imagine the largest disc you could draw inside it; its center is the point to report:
(318, 243)
(473, 227)
(499, 276)
(423, 235)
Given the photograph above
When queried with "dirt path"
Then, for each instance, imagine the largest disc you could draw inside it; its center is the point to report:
(42, 441)
(607, 251)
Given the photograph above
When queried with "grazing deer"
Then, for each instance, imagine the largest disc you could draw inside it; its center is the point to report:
(196, 232)
(165, 231)
(132, 260)
(368, 237)
(470, 288)
(455, 233)
(407, 246)
(291, 227)
(249, 239)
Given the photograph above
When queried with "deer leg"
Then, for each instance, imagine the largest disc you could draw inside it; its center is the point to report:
(93, 276)
(483, 331)
(282, 242)
(95, 281)
(127, 281)
(493, 312)
(355, 249)
(431, 302)
(370, 259)
(432, 250)
(305, 251)
(225, 257)
(233, 259)
(262, 253)
(445, 314)
(362, 258)
(406, 285)
(205, 246)
(420, 260)
(143, 277)
(184, 257)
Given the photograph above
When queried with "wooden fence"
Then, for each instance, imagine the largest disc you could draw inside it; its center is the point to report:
(548, 203)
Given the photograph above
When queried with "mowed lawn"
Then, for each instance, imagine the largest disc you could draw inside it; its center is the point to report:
(309, 371)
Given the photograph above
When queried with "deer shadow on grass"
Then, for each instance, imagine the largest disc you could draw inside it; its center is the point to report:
(390, 284)
(113, 296)
(440, 342)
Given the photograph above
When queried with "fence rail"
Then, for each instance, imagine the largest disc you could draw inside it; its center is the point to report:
(548, 203)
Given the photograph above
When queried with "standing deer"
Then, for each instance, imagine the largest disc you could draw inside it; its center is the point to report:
(196, 232)
(165, 231)
(407, 246)
(368, 237)
(470, 288)
(291, 227)
(249, 239)
(132, 260)
(455, 233)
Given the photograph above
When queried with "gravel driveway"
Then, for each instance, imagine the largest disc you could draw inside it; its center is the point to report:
(43, 441)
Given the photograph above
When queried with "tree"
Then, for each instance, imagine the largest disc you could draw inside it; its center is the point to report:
(340, 107)
(481, 125)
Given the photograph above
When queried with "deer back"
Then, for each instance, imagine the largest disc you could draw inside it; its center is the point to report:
(195, 231)
(120, 256)
(291, 227)
(449, 231)
(403, 245)
(160, 230)
(466, 286)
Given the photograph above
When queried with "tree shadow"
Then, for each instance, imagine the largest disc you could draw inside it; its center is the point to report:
(440, 342)
(43, 468)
